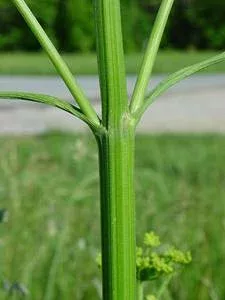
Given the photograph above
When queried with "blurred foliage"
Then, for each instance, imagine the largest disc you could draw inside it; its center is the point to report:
(70, 23)
(155, 260)
(52, 236)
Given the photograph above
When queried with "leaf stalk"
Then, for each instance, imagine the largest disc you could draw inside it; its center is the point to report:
(57, 61)
(150, 55)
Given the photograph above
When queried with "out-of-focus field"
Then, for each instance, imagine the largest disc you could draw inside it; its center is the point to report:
(49, 185)
(86, 64)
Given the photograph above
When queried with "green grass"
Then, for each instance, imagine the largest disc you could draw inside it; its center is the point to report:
(49, 184)
(86, 64)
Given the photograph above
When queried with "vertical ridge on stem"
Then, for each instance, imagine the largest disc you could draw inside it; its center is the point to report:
(116, 151)
(111, 61)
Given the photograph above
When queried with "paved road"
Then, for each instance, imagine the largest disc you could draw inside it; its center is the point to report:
(195, 105)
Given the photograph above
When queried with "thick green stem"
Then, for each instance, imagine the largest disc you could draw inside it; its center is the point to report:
(111, 62)
(140, 290)
(116, 151)
(116, 148)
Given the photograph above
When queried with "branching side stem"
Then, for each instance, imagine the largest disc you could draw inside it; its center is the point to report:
(57, 60)
(175, 78)
(52, 101)
(150, 55)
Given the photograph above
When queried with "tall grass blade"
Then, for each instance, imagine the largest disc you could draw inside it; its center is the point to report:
(50, 286)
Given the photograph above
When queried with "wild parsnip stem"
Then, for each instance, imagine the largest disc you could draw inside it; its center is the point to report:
(116, 152)
(111, 62)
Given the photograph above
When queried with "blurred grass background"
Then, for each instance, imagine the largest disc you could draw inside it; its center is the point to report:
(49, 185)
(168, 61)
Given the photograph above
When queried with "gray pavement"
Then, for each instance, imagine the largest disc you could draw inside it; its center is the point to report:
(195, 105)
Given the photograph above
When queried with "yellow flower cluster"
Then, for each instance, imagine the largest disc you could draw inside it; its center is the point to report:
(178, 256)
(151, 239)
(154, 261)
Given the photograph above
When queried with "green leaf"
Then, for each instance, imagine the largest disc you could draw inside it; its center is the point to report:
(49, 100)
(175, 78)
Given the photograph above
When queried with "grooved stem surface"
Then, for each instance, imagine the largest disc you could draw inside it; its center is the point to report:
(116, 150)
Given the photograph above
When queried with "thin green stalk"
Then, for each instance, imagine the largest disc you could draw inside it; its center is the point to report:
(175, 78)
(150, 55)
(51, 278)
(140, 290)
(57, 60)
(49, 100)
(164, 286)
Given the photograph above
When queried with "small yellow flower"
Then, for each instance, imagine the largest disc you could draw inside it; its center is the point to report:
(160, 264)
(151, 239)
(178, 256)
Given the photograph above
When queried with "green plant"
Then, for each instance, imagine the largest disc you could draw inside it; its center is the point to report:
(114, 132)
(155, 261)
(189, 26)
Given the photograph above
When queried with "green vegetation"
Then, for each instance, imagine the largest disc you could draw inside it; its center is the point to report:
(86, 64)
(52, 236)
(193, 25)
(156, 261)
(114, 132)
